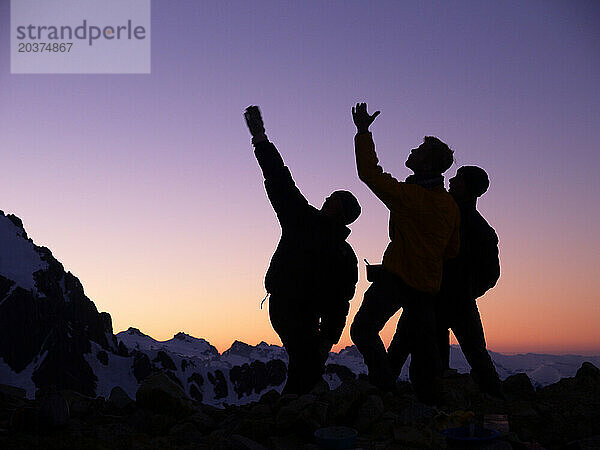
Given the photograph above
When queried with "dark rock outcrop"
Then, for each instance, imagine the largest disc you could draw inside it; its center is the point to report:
(276, 372)
(54, 322)
(196, 378)
(217, 379)
(195, 393)
(257, 376)
(343, 373)
(141, 365)
(165, 360)
(102, 357)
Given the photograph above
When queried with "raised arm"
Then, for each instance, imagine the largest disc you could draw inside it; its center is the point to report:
(387, 188)
(285, 197)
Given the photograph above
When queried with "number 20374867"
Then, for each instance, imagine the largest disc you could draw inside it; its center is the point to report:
(39, 47)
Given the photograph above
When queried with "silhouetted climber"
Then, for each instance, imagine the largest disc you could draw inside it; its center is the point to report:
(466, 277)
(423, 230)
(313, 272)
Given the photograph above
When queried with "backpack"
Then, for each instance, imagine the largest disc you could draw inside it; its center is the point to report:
(483, 260)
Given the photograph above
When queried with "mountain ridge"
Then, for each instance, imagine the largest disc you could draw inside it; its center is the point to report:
(53, 337)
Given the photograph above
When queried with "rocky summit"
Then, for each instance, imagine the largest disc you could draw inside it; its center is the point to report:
(162, 416)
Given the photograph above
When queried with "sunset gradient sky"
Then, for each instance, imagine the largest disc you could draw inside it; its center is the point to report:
(146, 187)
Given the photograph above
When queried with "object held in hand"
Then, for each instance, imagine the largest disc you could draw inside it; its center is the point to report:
(255, 123)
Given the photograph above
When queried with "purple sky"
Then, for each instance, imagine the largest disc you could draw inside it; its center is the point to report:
(145, 186)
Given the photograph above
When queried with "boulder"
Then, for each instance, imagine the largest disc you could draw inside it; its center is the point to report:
(518, 386)
(160, 394)
(588, 370)
(119, 398)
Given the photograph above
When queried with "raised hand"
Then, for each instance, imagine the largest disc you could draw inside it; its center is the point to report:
(362, 119)
(255, 123)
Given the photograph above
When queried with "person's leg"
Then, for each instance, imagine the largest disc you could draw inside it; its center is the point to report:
(305, 363)
(381, 301)
(399, 348)
(297, 330)
(442, 320)
(469, 332)
(425, 368)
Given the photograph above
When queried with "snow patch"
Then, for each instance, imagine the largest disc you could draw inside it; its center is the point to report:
(21, 379)
(18, 257)
(118, 372)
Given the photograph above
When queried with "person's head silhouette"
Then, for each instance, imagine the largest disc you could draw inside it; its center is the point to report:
(341, 206)
(433, 157)
(469, 183)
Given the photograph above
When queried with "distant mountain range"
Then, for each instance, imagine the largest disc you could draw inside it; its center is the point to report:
(542, 369)
(52, 335)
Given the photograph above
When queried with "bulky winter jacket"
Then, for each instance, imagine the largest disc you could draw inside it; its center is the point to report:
(312, 261)
(424, 223)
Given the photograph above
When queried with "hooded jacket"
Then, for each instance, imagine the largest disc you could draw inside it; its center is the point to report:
(423, 225)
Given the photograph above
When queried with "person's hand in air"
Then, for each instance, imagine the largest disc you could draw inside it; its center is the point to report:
(362, 119)
(255, 124)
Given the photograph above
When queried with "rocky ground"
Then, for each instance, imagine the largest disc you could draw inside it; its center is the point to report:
(563, 415)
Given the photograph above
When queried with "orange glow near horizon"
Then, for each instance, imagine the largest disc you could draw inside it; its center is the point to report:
(210, 285)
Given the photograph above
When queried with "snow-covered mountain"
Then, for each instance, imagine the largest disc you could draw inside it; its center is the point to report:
(182, 344)
(51, 334)
(240, 375)
(541, 368)
(47, 324)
